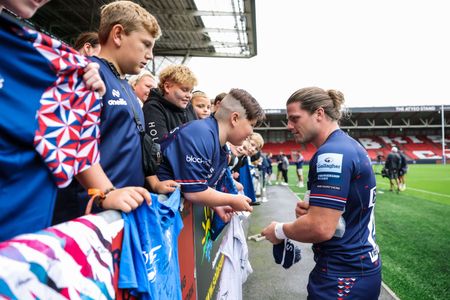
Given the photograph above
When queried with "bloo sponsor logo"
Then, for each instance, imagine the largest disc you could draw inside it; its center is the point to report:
(120, 101)
(193, 159)
(329, 162)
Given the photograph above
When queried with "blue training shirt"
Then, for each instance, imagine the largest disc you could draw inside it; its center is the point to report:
(193, 156)
(341, 177)
(149, 259)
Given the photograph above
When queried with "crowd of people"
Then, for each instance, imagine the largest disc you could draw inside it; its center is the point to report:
(88, 119)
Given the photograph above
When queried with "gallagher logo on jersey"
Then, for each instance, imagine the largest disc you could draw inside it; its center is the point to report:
(329, 162)
(1, 81)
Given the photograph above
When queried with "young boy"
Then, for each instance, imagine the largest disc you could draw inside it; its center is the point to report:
(169, 106)
(197, 157)
(127, 34)
(201, 104)
(48, 125)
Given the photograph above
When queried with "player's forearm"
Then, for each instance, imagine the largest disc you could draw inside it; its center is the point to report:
(306, 230)
(210, 197)
(94, 177)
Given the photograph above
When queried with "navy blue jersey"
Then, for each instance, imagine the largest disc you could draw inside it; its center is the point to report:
(120, 140)
(193, 156)
(341, 177)
(48, 125)
(120, 144)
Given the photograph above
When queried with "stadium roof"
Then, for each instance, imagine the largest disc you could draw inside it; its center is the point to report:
(190, 27)
(428, 116)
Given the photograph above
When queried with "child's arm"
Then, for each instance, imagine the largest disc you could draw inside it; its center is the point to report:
(161, 187)
(125, 199)
(213, 198)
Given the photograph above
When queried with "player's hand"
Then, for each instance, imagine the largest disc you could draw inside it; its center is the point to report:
(241, 203)
(126, 199)
(224, 212)
(164, 187)
(301, 208)
(92, 78)
(269, 233)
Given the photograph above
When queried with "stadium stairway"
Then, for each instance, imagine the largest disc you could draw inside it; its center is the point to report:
(272, 281)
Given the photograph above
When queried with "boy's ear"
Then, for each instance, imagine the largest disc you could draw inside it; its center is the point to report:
(117, 33)
(234, 117)
(167, 85)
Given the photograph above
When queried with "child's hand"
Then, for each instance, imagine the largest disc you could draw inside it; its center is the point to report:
(126, 199)
(164, 187)
(241, 203)
(92, 78)
(239, 186)
(224, 212)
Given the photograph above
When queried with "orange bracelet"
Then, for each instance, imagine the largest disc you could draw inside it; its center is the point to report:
(98, 197)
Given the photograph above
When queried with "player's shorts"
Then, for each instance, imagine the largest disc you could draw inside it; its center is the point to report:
(325, 287)
(402, 172)
(300, 171)
(392, 174)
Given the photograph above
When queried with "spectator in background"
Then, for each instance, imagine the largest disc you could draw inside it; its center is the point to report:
(217, 101)
(269, 167)
(392, 165)
(299, 165)
(87, 43)
(201, 104)
(285, 169)
(170, 104)
(36, 154)
(402, 171)
(341, 184)
(142, 83)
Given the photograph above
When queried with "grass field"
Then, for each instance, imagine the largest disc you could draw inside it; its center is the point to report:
(413, 232)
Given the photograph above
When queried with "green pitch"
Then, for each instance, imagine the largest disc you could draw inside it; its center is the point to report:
(413, 231)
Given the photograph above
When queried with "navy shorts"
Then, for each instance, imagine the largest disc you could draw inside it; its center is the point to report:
(325, 287)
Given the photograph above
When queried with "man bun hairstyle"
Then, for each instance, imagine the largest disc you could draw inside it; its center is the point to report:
(312, 98)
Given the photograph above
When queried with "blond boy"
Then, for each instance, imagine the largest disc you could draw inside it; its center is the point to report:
(169, 106)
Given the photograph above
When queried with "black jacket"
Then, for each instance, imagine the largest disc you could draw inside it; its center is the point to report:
(161, 116)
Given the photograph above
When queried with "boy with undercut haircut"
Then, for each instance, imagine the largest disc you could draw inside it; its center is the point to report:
(197, 156)
(127, 34)
(170, 104)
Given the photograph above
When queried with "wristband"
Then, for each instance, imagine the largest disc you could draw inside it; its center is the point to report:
(279, 232)
(97, 197)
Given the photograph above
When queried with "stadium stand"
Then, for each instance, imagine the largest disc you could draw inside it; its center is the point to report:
(416, 130)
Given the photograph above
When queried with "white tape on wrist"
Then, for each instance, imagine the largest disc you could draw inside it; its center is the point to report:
(279, 232)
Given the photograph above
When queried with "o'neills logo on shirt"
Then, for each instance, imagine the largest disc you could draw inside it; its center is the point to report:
(117, 102)
(120, 101)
